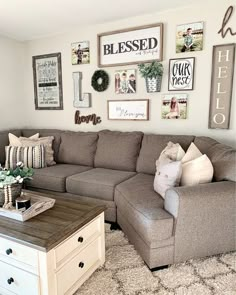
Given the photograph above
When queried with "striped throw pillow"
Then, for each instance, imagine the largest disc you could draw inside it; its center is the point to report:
(31, 156)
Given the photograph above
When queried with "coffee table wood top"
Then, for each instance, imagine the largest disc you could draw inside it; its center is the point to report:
(46, 230)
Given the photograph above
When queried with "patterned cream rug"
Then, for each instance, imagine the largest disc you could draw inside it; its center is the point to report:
(125, 273)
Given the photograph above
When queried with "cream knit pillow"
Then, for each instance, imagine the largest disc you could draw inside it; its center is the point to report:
(16, 141)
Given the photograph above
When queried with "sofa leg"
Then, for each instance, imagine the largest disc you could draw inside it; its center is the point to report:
(115, 226)
(159, 268)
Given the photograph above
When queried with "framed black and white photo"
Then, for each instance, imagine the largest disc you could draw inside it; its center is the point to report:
(48, 82)
(133, 110)
(131, 46)
(181, 74)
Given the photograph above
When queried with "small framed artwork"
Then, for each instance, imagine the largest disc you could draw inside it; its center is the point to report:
(174, 106)
(189, 37)
(131, 46)
(125, 81)
(80, 53)
(181, 74)
(134, 110)
(47, 82)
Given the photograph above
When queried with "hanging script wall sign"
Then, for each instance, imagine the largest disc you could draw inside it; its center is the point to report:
(221, 85)
(86, 119)
(224, 29)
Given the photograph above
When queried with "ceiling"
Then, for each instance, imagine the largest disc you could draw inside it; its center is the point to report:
(31, 19)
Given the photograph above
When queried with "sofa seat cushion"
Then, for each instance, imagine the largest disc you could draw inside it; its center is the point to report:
(144, 209)
(54, 178)
(97, 183)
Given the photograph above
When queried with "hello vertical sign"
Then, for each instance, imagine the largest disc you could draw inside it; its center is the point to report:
(221, 85)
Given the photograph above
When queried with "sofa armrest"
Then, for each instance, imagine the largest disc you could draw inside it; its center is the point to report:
(205, 219)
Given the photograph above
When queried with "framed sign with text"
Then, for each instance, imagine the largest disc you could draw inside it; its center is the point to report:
(48, 82)
(134, 110)
(221, 86)
(131, 46)
(181, 74)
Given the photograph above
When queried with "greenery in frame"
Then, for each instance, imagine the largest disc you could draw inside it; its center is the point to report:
(151, 70)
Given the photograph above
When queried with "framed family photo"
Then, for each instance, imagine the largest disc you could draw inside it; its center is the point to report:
(189, 37)
(125, 81)
(80, 53)
(133, 110)
(131, 46)
(174, 106)
(181, 74)
(48, 82)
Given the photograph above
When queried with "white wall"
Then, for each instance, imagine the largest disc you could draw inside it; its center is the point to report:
(12, 55)
(197, 122)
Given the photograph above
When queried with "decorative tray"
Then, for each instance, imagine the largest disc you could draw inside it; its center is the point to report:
(39, 204)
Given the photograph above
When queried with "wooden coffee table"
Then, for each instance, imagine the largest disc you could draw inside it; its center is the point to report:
(54, 252)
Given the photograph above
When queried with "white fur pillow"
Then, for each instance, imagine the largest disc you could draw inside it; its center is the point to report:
(191, 154)
(197, 171)
(168, 174)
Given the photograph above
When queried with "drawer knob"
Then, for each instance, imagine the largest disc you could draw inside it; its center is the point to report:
(9, 251)
(80, 239)
(9, 281)
(81, 264)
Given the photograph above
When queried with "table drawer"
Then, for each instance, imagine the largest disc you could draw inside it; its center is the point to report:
(18, 281)
(78, 266)
(21, 253)
(79, 240)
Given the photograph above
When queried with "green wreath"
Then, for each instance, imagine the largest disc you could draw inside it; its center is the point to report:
(100, 80)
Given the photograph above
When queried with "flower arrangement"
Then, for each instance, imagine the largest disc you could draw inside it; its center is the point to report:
(14, 176)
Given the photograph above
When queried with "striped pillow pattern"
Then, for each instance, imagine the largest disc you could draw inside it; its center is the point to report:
(31, 156)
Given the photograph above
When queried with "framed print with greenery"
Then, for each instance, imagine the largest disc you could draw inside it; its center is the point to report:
(131, 46)
(48, 82)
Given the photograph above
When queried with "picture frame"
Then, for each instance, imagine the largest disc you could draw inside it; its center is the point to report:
(47, 77)
(80, 53)
(222, 75)
(189, 37)
(181, 74)
(128, 109)
(125, 81)
(130, 46)
(174, 106)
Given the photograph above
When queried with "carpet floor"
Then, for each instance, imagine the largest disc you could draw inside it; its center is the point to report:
(125, 273)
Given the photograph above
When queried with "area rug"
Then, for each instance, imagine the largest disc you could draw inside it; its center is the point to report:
(125, 273)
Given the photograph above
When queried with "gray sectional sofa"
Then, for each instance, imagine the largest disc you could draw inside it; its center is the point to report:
(117, 169)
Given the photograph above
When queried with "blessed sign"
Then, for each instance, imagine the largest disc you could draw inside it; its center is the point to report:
(181, 74)
(130, 46)
(221, 85)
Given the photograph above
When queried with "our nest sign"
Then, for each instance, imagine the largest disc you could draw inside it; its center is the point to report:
(221, 86)
(130, 46)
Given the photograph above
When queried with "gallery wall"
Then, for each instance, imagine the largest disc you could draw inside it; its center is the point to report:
(198, 102)
(11, 83)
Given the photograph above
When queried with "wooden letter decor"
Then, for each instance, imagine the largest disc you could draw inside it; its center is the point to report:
(86, 119)
(223, 31)
(221, 85)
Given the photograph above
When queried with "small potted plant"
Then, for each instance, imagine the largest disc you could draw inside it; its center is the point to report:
(13, 179)
(152, 72)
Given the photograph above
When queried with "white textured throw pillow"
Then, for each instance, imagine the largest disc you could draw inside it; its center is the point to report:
(191, 154)
(197, 171)
(16, 141)
(168, 175)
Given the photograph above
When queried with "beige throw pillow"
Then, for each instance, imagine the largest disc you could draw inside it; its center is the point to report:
(16, 141)
(46, 142)
(197, 171)
(191, 154)
(168, 175)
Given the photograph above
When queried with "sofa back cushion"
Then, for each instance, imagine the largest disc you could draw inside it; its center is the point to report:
(78, 148)
(153, 145)
(44, 133)
(223, 157)
(5, 142)
(118, 150)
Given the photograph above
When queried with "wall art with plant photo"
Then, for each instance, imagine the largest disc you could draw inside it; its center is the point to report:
(189, 37)
(181, 74)
(80, 53)
(125, 81)
(174, 106)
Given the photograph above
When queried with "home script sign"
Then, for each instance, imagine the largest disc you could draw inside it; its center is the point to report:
(221, 85)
